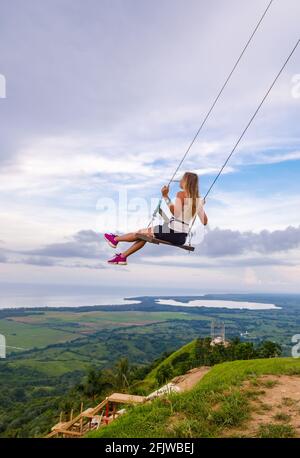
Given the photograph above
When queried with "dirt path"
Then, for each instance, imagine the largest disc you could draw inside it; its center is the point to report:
(188, 380)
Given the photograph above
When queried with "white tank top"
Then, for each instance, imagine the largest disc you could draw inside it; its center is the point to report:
(182, 221)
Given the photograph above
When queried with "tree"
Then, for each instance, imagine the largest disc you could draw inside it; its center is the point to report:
(269, 349)
(93, 385)
(244, 350)
(19, 394)
(164, 373)
(203, 351)
(122, 374)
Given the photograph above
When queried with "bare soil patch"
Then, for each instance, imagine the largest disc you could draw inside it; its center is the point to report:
(274, 400)
(188, 380)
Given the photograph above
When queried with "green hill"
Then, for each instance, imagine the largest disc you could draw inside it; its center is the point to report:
(222, 403)
(176, 363)
(200, 352)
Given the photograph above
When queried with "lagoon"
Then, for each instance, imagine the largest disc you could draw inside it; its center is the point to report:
(219, 304)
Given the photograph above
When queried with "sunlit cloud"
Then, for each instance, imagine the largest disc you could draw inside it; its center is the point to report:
(129, 91)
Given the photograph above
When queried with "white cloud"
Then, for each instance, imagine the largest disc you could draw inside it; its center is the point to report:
(249, 211)
(124, 119)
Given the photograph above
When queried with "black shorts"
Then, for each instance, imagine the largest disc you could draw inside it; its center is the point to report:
(163, 232)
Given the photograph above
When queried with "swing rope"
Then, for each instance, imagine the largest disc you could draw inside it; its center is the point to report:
(221, 91)
(248, 125)
(213, 104)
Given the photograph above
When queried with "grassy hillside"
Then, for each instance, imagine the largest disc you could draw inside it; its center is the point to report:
(178, 362)
(183, 352)
(216, 403)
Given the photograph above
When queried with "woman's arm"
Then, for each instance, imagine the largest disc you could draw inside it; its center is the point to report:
(179, 202)
(202, 215)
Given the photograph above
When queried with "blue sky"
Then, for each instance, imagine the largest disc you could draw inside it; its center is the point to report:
(104, 97)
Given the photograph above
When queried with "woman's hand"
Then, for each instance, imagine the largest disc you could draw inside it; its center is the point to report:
(165, 191)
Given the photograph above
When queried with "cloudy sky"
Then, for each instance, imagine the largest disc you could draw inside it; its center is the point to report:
(103, 98)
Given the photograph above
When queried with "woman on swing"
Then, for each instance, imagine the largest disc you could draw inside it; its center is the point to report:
(186, 205)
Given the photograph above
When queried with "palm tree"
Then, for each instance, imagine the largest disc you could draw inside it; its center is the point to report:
(122, 373)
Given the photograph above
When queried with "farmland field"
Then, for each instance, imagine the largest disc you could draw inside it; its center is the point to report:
(37, 330)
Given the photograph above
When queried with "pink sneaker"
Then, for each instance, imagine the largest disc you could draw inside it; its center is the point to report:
(110, 238)
(118, 259)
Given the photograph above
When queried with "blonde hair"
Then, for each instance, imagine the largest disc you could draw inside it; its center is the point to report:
(191, 186)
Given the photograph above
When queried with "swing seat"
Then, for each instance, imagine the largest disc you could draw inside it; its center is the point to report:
(149, 239)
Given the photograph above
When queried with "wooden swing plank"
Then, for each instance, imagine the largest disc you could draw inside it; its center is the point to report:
(147, 238)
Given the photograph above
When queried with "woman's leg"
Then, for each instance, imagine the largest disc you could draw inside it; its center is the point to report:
(135, 247)
(138, 243)
(131, 236)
